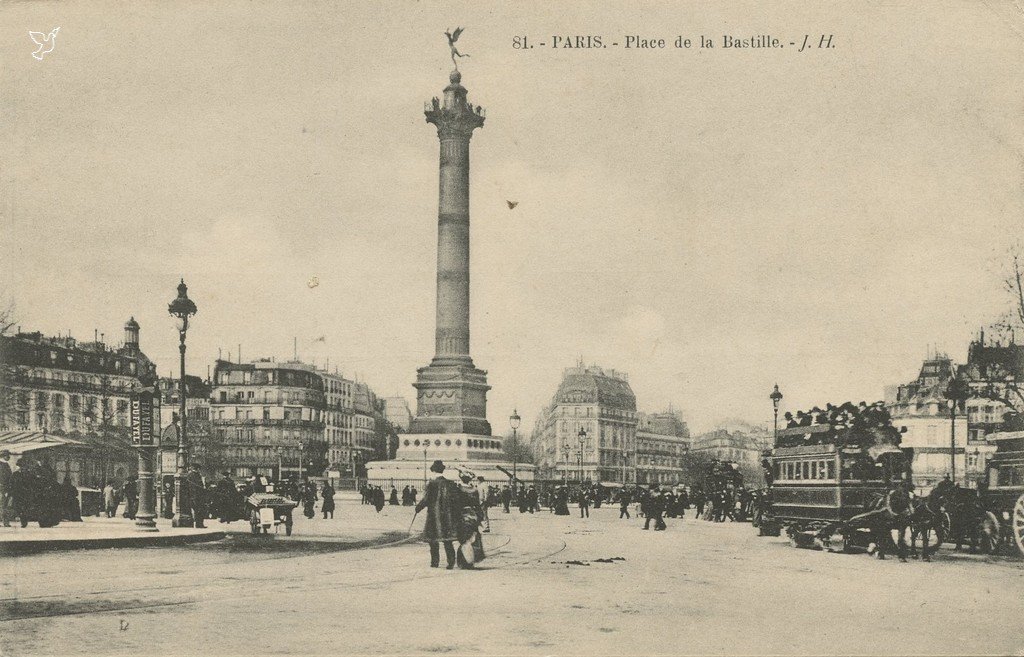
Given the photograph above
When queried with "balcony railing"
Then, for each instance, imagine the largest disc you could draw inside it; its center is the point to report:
(70, 386)
(262, 422)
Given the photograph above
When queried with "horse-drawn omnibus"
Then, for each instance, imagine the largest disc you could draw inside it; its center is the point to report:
(823, 477)
(1003, 496)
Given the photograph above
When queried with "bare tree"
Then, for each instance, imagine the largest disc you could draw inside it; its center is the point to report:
(1015, 284)
(7, 314)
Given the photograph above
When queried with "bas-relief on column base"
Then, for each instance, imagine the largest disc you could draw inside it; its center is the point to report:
(451, 398)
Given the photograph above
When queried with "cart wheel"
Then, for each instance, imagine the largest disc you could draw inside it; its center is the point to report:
(945, 530)
(1017, 524)
(254, 521)
(988, 532)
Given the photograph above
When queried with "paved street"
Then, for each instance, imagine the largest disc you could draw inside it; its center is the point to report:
(696, 588)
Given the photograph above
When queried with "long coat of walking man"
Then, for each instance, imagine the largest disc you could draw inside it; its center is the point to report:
(444, 516)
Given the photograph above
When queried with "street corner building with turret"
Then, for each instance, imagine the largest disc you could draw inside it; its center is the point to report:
(67, 403)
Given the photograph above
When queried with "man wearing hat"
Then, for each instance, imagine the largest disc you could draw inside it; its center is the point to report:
(444, 515)
(5, 485)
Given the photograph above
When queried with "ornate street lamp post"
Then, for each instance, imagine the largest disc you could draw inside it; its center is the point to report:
(514, 421)
(625, 454)
(957, 392)
(776, 397)
(565, 470)
(182, 308)
(582, 437)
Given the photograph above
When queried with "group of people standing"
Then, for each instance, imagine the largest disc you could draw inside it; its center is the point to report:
(31, 493)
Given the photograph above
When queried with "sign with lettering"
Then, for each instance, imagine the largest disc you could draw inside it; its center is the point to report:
(142, 418)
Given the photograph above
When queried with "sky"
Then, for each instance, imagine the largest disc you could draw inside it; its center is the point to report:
(711, 222)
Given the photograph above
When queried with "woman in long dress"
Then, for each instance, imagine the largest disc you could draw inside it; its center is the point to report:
(328, 505)
(309, 500)
(471, 544)
(562, 501)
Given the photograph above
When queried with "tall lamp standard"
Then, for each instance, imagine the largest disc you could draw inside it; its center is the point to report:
(582, 437)
(957, 392)
(625, 455)
(514, 421)
(182, 308)
(776, 397)
(565, 470)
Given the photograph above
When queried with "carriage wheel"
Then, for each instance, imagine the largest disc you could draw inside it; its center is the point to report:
(1017, 523)
(945, 528)
(988, 533)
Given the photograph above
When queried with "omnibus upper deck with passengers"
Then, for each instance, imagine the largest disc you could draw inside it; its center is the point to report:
(822, 475)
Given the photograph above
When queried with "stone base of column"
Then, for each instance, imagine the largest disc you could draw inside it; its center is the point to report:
(145, 523)
(452, 399)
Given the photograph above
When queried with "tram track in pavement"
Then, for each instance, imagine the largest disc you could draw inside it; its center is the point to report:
(270, 586)
(222, 562)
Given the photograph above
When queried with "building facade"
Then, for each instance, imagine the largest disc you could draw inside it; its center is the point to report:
(589, 430)
(339, 421)
(364, 428)
(82, 390)
(398, 413)
(941, 445)
(203, 448)
(728, 446)
(662, 440)
(62, 385)
(269, 418)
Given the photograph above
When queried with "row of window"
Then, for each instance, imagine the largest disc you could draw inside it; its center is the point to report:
(818, 469)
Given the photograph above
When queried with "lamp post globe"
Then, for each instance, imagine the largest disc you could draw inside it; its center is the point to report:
(182, 308)
(776, 397)
(958, 391)
(514, 421)
(582, 436)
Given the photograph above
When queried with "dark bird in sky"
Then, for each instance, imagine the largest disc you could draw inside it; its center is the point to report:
(512, 204)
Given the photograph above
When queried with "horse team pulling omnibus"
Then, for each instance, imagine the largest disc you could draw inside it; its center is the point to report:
(848, 488)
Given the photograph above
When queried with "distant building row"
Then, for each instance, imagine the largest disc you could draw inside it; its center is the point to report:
(592, 431)
(262, 416)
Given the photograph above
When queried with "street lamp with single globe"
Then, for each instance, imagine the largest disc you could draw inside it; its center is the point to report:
(957, 392)
(514, 421)
(776, 397)
(182, 308)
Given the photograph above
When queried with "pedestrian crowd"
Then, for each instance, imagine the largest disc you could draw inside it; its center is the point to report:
(31, 492)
